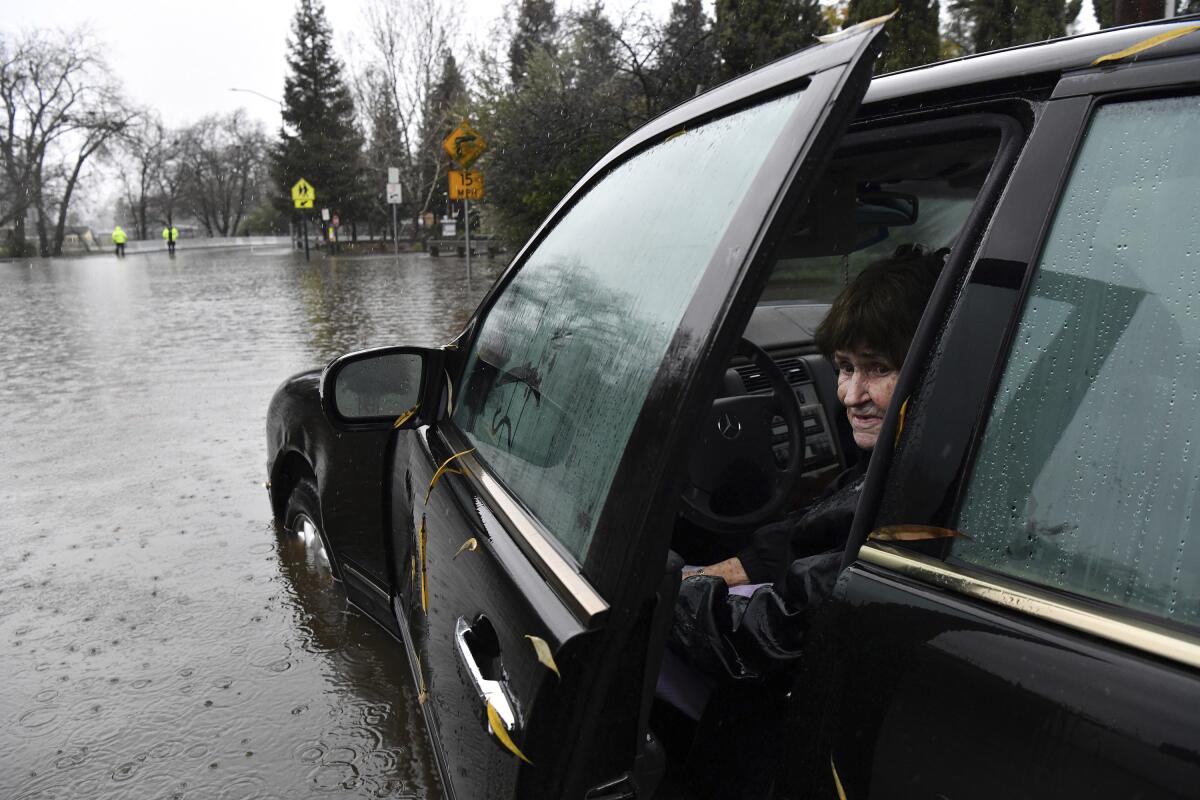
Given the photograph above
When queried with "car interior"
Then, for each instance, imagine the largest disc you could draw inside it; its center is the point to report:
(884, 188)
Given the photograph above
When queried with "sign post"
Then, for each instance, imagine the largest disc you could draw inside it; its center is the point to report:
(303, 195)
(465, 144)
(393, 198)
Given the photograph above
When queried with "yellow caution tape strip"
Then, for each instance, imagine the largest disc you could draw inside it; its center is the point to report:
(421, 539)
(900, 422)
(469, 546)
(442, 470)
(422, 695)
(846, 33)
(837, 782)
(497, 726)
(406, 416)
(913, 533)
(543, 654)
(1145, 44)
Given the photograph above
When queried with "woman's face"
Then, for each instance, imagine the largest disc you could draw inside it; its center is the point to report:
(865, 383)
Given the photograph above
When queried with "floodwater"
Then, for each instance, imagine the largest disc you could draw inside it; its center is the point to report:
(158, 637)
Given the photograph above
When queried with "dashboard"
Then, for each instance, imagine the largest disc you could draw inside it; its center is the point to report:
(786, 331)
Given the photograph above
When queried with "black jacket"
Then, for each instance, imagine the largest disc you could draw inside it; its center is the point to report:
(747, 638)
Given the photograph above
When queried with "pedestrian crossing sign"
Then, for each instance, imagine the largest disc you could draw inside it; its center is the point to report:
(303, 194)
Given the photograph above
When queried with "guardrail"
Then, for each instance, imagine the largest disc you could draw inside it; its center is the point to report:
(204, 243)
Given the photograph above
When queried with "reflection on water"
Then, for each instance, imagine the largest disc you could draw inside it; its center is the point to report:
(160, 638)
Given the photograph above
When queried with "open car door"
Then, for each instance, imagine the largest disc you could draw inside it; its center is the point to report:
(531, 510)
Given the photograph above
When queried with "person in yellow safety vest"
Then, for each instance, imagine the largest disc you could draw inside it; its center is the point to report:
(119, 238)
(170, 236)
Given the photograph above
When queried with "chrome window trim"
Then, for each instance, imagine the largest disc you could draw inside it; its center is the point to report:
(560, 573)
(1169, 644)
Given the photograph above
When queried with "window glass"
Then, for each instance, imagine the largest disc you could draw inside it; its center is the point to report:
(564, 360)
(869, 203)
(1088, 478)
(378, 386)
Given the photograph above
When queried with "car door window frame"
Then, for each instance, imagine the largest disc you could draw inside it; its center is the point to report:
(1021, 119)
(774, 186)
(1009, 261)
(912, 477)
(557, 563)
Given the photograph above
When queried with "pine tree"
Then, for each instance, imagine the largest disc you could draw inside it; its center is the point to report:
(319, 140)
(385, 148)
(752, 32)
(913, 38)
(688, 54)
(1110, 13)
(993, 24)
(576, 99)
(537, 27)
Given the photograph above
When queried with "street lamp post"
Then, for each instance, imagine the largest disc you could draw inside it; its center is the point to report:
(258, 93)
(268, 98)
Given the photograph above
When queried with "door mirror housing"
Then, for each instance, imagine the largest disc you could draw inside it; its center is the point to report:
(382, 387)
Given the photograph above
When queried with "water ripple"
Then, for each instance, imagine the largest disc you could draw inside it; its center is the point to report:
(164, 642)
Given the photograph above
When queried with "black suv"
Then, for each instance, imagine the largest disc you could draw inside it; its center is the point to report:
(1019, 613)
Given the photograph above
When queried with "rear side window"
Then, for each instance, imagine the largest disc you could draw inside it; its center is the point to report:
(1088, 475)
(564, 360)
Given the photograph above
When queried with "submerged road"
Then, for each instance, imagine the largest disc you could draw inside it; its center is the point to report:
(158, 637)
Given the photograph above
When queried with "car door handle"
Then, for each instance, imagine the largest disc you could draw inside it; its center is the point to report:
(489, 691)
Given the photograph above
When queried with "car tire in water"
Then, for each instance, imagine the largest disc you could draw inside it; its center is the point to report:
(301, 518)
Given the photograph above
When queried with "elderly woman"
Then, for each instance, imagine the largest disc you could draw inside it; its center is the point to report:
(735, 647)
(795, 561)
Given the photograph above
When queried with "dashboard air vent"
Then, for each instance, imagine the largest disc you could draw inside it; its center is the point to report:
(754, 380)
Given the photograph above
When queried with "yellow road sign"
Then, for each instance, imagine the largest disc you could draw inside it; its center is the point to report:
(465, 144)
(303, 194)
(466, 185)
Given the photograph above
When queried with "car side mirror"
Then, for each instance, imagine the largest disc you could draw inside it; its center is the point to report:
(382, 387)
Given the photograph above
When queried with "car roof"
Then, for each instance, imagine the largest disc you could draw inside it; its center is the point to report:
(1030, 64)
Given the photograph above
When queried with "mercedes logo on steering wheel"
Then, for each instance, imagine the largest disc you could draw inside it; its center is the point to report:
(729, 426)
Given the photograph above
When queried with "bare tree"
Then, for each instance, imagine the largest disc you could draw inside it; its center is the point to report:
(406, 46)
(225, 171)
(144, 147)
(60, 108)
(173, 174)
(104, 123)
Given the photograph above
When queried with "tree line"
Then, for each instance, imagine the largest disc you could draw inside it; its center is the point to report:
(212, 173)
(550, 90)
(65, 120)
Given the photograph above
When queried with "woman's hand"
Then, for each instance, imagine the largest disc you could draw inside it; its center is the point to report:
(730, 570)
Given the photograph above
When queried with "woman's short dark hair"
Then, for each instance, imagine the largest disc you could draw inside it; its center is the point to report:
(880, 308)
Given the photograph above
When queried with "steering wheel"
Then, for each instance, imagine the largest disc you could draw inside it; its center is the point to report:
(736, 448)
